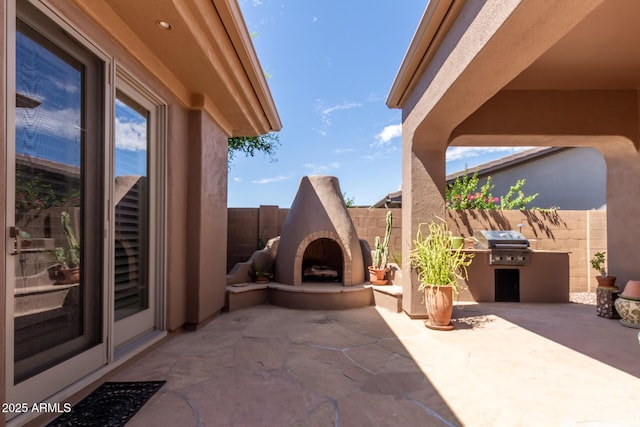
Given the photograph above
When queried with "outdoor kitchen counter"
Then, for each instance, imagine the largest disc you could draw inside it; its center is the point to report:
(545, 278)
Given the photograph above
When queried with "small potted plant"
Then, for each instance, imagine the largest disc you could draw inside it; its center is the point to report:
(378, 270)
(259, 274)
(598, 264)
(440, 267)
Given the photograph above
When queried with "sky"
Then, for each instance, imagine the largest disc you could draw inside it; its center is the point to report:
(52, 130)
(330, 66)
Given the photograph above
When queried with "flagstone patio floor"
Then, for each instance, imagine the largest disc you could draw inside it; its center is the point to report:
(504, 364)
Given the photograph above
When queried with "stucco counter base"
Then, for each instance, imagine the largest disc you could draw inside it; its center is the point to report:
(544, 279)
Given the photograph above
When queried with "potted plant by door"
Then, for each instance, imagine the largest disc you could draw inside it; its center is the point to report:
(378, 270)
(439, 266)
(67, 270)
(604, 280)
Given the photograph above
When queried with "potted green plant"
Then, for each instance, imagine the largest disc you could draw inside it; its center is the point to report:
(67, 270)
(598, 264)
(378, 270)
(440, 267)
(260, 274)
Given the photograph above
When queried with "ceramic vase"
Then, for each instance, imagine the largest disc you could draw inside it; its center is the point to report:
(629, 311)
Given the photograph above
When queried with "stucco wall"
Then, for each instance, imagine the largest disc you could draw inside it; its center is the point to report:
(582, 233)
(571, 179)
(207, 218)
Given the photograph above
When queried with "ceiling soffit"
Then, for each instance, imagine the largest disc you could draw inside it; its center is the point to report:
(206, 59)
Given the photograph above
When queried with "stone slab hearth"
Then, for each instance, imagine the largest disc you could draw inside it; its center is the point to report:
(318, 296)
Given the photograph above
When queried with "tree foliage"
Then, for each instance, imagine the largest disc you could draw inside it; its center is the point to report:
(463, 193)
(349, 201)
(266, 144)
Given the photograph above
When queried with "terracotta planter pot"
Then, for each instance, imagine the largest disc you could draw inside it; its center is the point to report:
(606, 281)
(631, 290)
(69, 275)
(439, 303)
(377, 276)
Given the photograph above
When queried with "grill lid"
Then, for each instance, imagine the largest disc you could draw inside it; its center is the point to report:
(495, 239)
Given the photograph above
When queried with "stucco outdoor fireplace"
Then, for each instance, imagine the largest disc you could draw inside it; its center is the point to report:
(319, 242)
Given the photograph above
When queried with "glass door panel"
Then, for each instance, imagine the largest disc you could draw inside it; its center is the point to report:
(57, 308)
(133, 308)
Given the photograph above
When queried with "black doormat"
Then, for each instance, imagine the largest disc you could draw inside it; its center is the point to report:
(110, 405)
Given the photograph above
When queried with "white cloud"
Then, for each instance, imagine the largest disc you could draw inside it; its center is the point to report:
(61, 123)
(343, 106)
(389, 133)
(131, 136)
(316, 169)
(461, 153)
(236, 179)
(326, 112)
(344, 150)
(66, 86)
(270, 180)
(381, 153)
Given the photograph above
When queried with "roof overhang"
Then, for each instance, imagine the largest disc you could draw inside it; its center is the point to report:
(206, 59)
(434, 25)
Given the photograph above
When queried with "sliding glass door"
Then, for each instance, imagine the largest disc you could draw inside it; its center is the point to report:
(57, 192)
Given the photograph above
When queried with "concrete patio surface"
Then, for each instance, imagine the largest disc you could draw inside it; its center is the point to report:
(505, 364)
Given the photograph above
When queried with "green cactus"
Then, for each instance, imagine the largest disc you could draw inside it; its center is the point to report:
(381, 252)
(74, 246)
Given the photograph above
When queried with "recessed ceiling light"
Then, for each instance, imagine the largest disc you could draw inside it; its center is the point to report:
(163, 24)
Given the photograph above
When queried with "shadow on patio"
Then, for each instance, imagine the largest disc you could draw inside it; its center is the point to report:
(278, 367)
(575, 326)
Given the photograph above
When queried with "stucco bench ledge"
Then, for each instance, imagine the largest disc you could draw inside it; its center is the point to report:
(246, 287)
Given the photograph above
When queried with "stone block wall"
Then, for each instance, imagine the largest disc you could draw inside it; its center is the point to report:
(370, 223)
(582, 233)
(251, 227)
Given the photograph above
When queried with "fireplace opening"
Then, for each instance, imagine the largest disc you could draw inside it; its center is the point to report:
(322, 262)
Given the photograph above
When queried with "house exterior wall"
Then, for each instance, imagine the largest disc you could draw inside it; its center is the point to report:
(571, 179)
(180, 166)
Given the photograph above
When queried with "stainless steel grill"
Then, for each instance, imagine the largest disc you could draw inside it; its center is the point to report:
(506, 247)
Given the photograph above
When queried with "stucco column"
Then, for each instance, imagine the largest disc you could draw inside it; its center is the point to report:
(623, 206)
(206, 218)
(423, 189)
